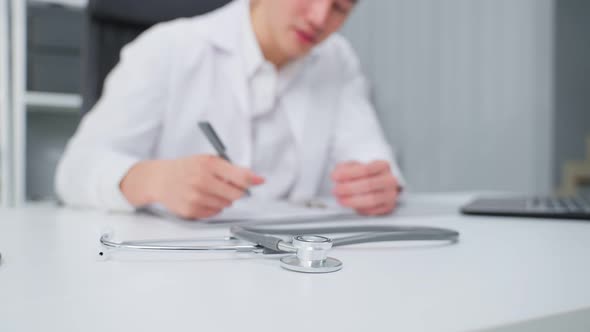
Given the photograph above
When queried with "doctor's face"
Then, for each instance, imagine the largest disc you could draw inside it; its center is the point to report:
(296, 26)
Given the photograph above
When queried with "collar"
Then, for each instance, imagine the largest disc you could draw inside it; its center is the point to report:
(250, 48)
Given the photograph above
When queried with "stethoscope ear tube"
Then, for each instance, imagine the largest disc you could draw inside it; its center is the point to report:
(267, 236)
(414, 235)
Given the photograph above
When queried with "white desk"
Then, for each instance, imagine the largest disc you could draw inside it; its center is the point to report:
(504, 271)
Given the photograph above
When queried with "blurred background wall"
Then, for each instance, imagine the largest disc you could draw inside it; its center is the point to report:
(464, 89)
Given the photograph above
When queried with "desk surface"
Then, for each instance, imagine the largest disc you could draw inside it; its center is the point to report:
(503, 271)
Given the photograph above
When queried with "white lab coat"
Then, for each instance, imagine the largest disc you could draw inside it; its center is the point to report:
(190, 70)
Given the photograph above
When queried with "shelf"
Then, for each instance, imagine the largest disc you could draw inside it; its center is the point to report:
(58, 101)
(69, 3)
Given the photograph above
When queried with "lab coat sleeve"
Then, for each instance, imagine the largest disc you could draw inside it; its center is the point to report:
(358, 135)
(121, 129)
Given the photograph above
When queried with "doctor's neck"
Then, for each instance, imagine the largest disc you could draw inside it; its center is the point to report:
(267, 42)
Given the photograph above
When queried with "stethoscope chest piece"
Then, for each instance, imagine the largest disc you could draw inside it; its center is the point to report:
(311, 255)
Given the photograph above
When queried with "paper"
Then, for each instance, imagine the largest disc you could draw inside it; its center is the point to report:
(263, 210)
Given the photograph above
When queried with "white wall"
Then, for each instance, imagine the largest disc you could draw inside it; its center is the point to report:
(463, 88)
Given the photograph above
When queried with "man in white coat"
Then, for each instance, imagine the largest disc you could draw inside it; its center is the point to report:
(284, 92)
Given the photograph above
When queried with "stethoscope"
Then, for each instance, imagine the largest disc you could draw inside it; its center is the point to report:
(303, 250)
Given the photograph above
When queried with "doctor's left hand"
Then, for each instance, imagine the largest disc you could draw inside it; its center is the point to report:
(370, 189)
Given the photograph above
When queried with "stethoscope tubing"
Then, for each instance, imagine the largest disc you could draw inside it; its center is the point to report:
(167, 245)
(268, 236)
(267, 240)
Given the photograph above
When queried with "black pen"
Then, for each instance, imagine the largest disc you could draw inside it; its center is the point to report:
(214, 139)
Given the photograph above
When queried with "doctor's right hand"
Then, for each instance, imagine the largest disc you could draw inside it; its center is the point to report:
(194, 187)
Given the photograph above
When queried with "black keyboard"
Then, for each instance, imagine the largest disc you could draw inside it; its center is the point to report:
(533, 207)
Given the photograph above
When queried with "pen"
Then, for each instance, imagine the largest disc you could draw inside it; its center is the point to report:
(214, 139)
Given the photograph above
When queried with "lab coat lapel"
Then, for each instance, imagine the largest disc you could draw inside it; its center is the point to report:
(224, 33)
(242, 121)
(311, 120)
(230, 114)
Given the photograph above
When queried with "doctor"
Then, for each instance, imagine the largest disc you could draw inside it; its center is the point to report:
(285, 94)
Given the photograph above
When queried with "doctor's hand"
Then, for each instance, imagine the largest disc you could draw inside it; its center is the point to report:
(370, 189)
(194, 187)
